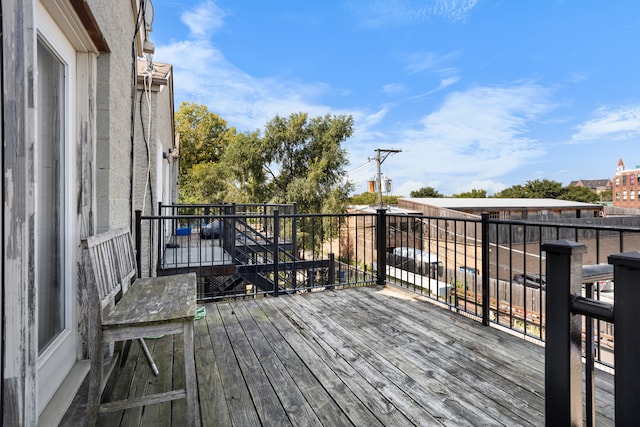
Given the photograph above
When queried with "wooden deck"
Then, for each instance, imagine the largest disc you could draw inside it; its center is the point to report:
(362, 356)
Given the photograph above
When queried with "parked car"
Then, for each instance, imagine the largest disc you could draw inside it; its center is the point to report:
(210, 230)
(531, 280)
(416, 261)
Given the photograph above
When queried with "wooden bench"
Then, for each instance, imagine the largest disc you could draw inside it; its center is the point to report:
(129, 311)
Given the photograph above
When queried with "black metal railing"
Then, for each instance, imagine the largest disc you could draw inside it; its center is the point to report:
(570, 318)
(491, 270)
(502, 260)
(239, 252)
(495, 271)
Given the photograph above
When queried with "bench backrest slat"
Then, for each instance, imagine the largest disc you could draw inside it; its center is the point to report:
(113, 263)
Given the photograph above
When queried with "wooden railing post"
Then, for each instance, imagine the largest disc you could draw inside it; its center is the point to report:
(381, 245)
(563, 352)
(626, 273)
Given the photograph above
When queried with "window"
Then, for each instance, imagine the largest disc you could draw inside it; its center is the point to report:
(617, 195)
(49, 194)
(632, 179)
(632, 195)
(624, 180)
(624, 195)
(54, 178)
(617, 182)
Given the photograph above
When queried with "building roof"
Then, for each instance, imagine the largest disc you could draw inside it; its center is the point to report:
(161, 72)
(499, 203)
(374, 208)
(592, 183)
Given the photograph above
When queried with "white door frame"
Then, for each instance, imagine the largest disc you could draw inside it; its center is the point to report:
(56, 361)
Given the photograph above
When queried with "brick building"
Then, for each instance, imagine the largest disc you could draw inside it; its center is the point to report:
(597, 185)
(626, 186)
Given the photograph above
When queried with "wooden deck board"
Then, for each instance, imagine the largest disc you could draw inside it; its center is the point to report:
(363, 356)
(428, 371)
(360, 412)
(256, 371)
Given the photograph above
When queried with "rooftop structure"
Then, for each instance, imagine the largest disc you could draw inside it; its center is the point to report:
(597, 185)
(502, 208)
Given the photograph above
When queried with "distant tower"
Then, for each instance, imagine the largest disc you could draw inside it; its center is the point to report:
(620, 167)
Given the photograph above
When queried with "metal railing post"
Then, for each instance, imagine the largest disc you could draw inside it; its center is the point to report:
(276, 252)
(161, 243)
(138, 240)
(332, 270)
(381, 239)
(563, 352)
(294, 230)
(486, 295)
(626, 273)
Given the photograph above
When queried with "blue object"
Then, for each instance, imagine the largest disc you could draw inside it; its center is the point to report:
(184, 231)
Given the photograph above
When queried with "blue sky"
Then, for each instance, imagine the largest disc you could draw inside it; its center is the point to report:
(476, 93)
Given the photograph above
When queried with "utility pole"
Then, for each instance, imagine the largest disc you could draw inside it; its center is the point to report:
(380, 158)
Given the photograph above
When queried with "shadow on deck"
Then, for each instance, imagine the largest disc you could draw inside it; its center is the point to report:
(359, 356)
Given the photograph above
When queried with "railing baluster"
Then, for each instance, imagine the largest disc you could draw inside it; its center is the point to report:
(590, 383)
(485, 269)
(276, 252)
(381, 231)
(138, 240)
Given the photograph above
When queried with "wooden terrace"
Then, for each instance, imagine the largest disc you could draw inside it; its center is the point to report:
(357, 356)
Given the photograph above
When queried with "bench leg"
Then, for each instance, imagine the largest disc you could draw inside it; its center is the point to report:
(190, 373)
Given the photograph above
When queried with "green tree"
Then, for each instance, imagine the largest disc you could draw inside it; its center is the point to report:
(203, 136)
(368, 198)
(245, 174)
(514, 192)
(473, 194)
(545, 189)
(579, 194)
(606, 196)
(305, 162)
(548, 189)
(205, 183)
(534, 189)
(425, 192)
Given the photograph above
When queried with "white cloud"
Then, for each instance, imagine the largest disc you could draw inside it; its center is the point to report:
(613, 123)
(430, 61)
(475, 136)
(203, 75)
(433, 63)
(203, 20)
(448, 81)
(394, 88)
(489, 185)
(402, 12)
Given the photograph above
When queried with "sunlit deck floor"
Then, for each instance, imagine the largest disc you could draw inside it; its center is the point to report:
(363, 356)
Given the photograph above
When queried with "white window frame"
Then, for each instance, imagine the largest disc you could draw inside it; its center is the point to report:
(60, 355)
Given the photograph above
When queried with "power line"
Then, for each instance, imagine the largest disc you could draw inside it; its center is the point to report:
(360, 167)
